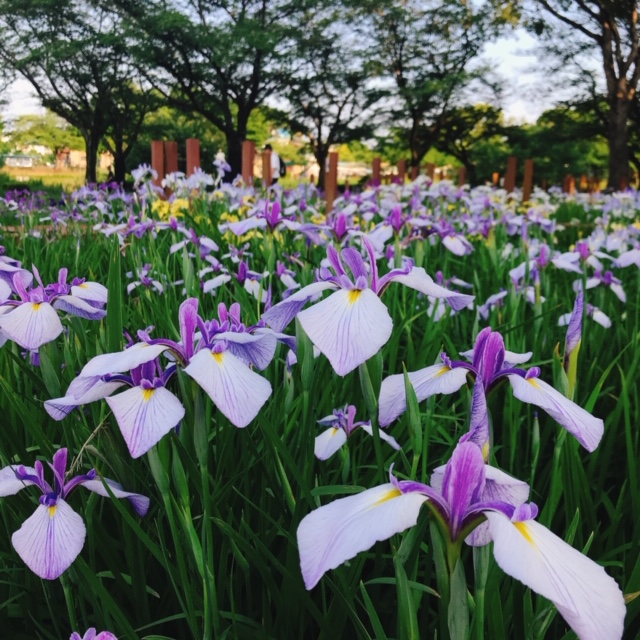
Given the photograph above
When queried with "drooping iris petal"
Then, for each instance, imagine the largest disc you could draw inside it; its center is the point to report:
(367, 428)
(458, 245)
(139, 502)
(328, 442)
(628, 258)
(216, 282)
(340, 530)
(144, 416)
(281, 314)
(9, 271)
(81, 391)
(32, 324)
(5, 291)
(91, 292)
(256, 349)
(588, 599)
(438, 378)
(130, 358)
(243, 226)
(10, 484)
(349, 327)
(78, 307)
(587, 429)
(419, 280)
(235, 389)
(50, 539)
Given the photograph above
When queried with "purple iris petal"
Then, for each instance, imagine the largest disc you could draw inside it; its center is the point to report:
(574, 330)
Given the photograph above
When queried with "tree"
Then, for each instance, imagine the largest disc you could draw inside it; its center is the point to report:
(76, 58)
(170, 124)
(48, 130)
(427, 50)
(330, 96)
(463, 128)
(612, 28)
(221, 59)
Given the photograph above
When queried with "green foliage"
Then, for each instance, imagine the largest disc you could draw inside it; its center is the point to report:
(48, 130)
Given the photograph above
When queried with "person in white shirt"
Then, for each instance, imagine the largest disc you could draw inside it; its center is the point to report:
(275, 164)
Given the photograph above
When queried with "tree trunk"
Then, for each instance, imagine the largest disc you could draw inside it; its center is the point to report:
(234, 152)
(472, 178)
(321, 154)
(119, 163)
(92, 143)
(618, 135)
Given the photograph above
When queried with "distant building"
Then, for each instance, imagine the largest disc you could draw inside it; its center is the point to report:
(22, 160)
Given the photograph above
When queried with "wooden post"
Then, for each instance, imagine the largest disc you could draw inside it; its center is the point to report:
(462, 176)
(510, 176)
(624, 183)
(569, 185)
(415, 172)
(248, 155)
(495, 178)
(266, 169)
(157, 160)
(331, 181)
(193, 155)
(402, 170)
(375, 173)
(431, 170)
(527, 185)
(170, 156)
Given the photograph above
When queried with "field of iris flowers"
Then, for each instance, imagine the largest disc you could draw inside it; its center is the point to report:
(227, 414)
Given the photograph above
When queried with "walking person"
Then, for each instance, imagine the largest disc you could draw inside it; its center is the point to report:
(276, 164)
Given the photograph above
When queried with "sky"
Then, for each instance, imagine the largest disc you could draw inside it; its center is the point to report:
(511, 56)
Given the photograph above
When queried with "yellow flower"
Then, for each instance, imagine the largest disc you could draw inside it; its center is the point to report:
(161, 208)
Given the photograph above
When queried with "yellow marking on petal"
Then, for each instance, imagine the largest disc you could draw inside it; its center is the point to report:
(533, 383)
(442, 371)
(485, 451)
(354, 294)
(389, 495)
(334, 431)
(52, 511)
(524, 530)
(217, 357)
(36, 306)
(147, 394)
(83, 285)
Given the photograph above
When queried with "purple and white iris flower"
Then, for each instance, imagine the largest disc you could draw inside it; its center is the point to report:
(467, 494)
(352, 324)
(218, 358)
(491, 363)
(341, 425)
(145, 279)
(52, 538)
(271, 217)
(91, 634)
(606, 279)
(33, 320)
(592, 312)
